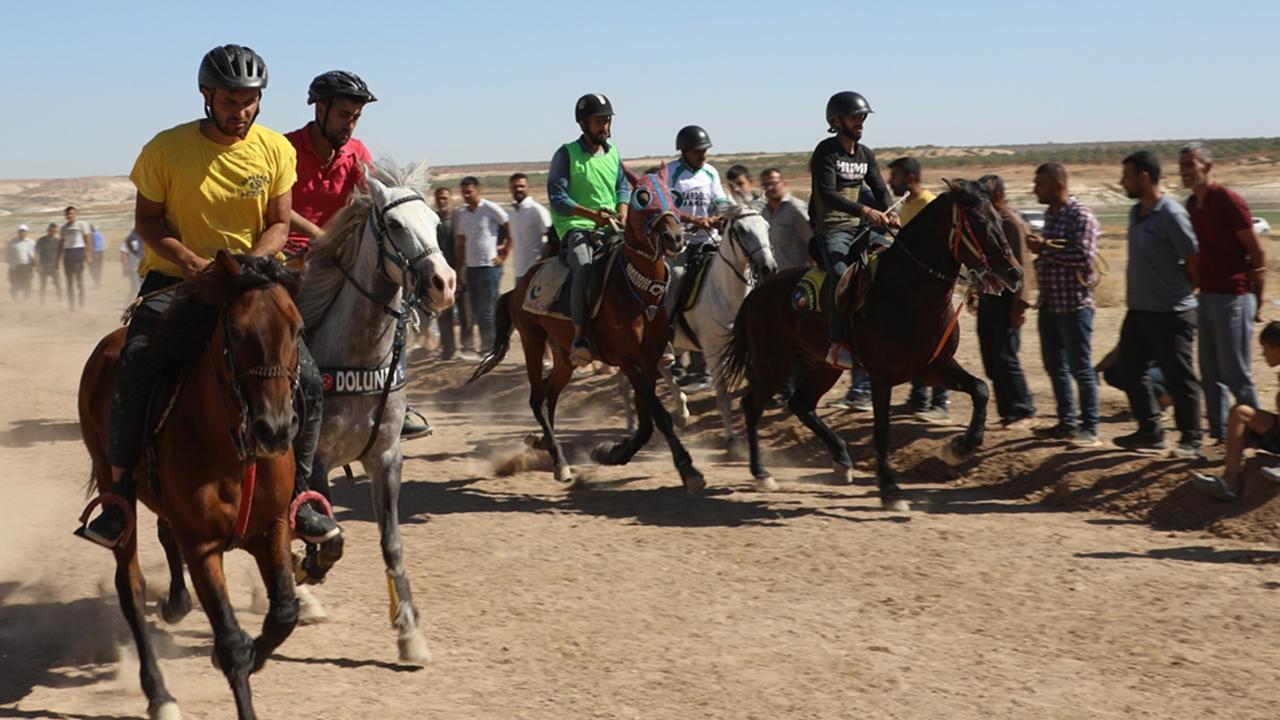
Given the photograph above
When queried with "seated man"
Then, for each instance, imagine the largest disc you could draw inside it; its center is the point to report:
(1247, 427)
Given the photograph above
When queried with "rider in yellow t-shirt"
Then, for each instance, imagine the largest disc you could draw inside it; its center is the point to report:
(220, 183)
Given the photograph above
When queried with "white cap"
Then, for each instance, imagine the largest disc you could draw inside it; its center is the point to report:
(23, 227)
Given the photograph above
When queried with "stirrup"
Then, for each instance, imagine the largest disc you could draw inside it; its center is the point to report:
(580, 355)
(107, 499)
(306, 497)
(837, 359)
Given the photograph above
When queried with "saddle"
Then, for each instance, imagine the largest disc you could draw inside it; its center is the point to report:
(689, 288)
(549, 291)
(851, 292)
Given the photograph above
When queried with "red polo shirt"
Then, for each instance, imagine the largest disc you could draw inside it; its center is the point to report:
(322, 190)
(1224, 263)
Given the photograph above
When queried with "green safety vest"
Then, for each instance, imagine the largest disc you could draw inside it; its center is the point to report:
(593, 181)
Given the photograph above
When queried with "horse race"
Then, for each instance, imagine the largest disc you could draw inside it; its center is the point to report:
(332, 378)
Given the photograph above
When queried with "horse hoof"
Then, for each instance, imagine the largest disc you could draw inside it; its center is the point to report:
(895, 504)
(681, 419)
(173, 610)
(733, 450)
(953, 452)
(413, 649)
(564, 475)
(766, 484)
(694, 484)
(844, 473)
(531, 440)
(164, 711)
(310, 610)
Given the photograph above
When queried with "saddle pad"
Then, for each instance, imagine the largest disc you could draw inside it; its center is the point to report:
(807, 295)
(544, 289)
(695, 289)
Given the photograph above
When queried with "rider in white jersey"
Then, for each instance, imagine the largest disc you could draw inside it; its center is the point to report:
(696, 186)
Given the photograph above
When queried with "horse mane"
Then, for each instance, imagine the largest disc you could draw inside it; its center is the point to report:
(323, 276)
(184, 330)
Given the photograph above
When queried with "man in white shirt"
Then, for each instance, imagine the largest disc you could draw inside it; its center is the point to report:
(72, 250)
(529, 223)
(21, 257)
(483, 234)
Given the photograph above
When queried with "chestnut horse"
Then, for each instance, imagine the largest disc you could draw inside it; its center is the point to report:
(224, 467)
(907, 331)
(629, 331)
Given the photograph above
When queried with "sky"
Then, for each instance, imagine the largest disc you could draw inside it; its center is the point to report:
(86, 84)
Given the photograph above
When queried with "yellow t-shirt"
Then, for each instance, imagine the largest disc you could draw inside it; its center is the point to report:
(914, 205)
(215, 196)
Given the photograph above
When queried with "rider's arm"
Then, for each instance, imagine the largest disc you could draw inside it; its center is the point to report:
(297, 223)
(148, 220)
(273, 238)
(558, 188)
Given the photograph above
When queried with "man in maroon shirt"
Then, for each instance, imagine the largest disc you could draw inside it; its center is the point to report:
(1232, 271)
(330, 167)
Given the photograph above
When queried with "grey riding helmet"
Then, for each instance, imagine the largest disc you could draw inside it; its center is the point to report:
(234, 67)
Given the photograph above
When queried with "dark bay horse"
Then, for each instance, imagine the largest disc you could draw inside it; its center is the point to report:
(909, 330)
(629, 332)
(223, 456)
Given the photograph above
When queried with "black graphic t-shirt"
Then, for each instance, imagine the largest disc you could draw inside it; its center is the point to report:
(838, 177)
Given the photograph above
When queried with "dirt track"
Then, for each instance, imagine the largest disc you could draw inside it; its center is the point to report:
(633, 601)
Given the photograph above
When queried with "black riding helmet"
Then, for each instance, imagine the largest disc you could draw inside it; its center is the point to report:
(692, 137)
(590, 105)
(846, 103)
(234, 67)
(339, 83)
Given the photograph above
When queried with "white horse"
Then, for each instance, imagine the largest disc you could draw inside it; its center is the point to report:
(742, 254)
(377, 252)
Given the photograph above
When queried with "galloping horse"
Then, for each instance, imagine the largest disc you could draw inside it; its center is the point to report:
(223, 461)
(908, 330)
(629, 332)
(377, 260)
(742, 255)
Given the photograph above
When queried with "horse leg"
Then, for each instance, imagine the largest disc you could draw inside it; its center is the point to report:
(384, 474)
(233, 649)
(682, 401)
(131, 589)
(815, 382)
(178, 603)
(954, 377)
(761, 387)
(628, 407)
(890, 494)
(620, 453)
(561, 374)
(646, 395)
(275, 564)
(724, 401)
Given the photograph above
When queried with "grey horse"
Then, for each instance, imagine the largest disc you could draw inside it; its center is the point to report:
(379, 250)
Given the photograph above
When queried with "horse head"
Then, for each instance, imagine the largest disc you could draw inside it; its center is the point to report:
(254, 342)
(409, 255)
(978, 239)
(653, 228)
(748, 233)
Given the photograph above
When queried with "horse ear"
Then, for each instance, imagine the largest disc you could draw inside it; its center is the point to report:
(631, 177)
(296, 263)
(950, 185)
(226, 263)
(376, 188)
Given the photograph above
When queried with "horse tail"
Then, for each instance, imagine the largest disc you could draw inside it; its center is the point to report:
(737, 353)
(502, 327)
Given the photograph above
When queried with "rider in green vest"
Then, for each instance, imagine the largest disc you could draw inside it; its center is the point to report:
(587, 188)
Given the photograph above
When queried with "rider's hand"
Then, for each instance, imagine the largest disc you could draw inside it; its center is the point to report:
(894, 220)
(876, 218)
(192, 265)
(603, 216)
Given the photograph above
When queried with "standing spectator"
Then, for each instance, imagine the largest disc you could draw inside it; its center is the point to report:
(904, 179)
(483, 241)
(71, 251)
(47, 256)
(1064, 269)
(741, 190)
(444, 237)
(20, 255)
(789, 228)
(130, 258)
(1000, 320)
(1231, 272)
(529, 224)
(99, 247)
(1160, 324)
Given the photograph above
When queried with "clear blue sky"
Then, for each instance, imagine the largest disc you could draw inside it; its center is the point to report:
(86, 84)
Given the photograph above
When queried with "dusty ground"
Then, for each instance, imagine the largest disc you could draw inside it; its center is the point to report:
(1034, 582)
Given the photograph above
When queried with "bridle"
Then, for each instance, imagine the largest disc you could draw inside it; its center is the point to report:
(961, 234)
(239, 431)
(735, 238)
(389, 252)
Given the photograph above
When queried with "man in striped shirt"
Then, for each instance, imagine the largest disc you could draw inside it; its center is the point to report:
(1064, 268)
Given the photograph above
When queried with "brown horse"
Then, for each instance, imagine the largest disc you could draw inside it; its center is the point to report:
(908, 330)
(629, 332)
(224, 466)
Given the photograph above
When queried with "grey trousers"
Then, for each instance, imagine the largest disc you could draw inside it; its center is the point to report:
(1226, 333)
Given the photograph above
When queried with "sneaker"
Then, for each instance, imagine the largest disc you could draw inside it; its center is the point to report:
(861, 403)
(1216, 487)
(1085, 439)
(1141, 440)
(937, 416)
(668, 357)
(840, 356)
(1055, 432)
(581, 353)
(415, 424)
(1189, 450)
(1021, 423)
(1271, 474)
(314, 526)
(107, 529)
(468, 356)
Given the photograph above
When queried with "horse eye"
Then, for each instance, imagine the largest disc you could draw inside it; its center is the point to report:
(642, 198)
(394, 224)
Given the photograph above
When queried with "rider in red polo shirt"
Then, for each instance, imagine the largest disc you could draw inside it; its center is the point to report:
(330, 166)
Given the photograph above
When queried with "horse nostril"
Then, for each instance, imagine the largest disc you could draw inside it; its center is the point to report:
(438, 283)
(263, 430)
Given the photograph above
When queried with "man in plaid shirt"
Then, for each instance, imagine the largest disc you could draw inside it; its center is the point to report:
(1064, 268)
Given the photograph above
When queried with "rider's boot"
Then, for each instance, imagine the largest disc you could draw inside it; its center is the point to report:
(415, 424)
(109, 528)
(580, 353)
(839, 354)
(311, 525)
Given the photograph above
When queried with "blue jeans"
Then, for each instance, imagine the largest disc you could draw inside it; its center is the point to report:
(1065, 348)
(859, 385)
(482, 292)
(1000, 342)
(920, 397)
(1226, 329)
